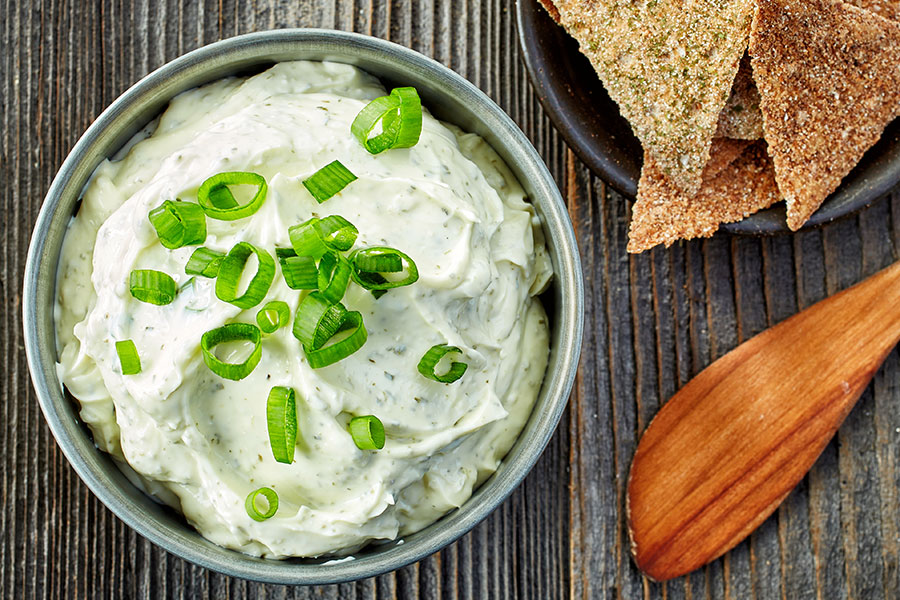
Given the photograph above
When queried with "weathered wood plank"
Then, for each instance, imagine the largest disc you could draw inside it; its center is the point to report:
(652, 322)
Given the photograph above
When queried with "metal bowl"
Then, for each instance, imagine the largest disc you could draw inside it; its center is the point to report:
(449, 97)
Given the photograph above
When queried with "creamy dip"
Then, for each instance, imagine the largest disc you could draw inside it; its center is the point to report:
(199, 442)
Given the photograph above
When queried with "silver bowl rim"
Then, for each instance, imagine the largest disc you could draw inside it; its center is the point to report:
(568, 277)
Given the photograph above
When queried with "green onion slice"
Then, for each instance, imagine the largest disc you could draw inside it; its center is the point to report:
(329, 354)
(383, 260)
(306, 239)
(400, 115)
(283, 253)
(337, 232)
(219, 205)
(204, 262)
(334, 275)
(410, 125)
(315, 236)
(300, 272)
(252, 510)
(317, 320)
(328, 181)
(231, 332)
(434, 356)
(383, 109)
(374, 262)
(128, 357)
(273, 315)
(281, 416)
(152, 287)
(231, 269)
(367, 432)
(178, 224)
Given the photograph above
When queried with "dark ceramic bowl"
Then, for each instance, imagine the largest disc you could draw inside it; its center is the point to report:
(449, 97)
(589, 120)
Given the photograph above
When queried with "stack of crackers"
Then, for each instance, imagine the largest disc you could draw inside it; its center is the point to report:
(740, 103)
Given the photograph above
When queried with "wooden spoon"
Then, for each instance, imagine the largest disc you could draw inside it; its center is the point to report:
(724, 452)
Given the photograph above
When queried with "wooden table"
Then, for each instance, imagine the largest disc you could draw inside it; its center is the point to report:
(653, 321)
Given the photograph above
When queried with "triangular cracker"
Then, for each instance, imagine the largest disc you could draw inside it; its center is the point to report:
(669, 64)
(551, 9)
(828, 75)
(741, 119)
(738, 181)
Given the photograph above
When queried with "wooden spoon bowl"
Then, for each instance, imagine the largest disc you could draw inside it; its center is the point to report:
(725, 450)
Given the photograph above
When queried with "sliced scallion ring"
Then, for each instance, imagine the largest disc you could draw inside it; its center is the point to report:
(273, 315)
(373, 262)
(330, 353)
(317, 320)
(231, 332)
(381, 255)
(152, 287)
(400, 115)
(433, 357)
(253, 510)
(410, 124)
(383, 109)
(300, 272)
(178, 224)
(367, 432)
(306, 239)
(282, 253)
(281, 418)
(337, 232)
(128, 357)
(231, 268)
(316, 236)
(204, 262)
(328, 181)
(217, 205)
(334, 275)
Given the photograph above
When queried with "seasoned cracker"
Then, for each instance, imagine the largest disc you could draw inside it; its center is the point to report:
(828, 75)
(889, 9)
(738, 181)
(741, 119)
(551, 9)
(669, 64)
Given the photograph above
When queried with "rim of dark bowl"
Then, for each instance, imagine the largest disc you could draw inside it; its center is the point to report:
(589, 121)
(460, 103)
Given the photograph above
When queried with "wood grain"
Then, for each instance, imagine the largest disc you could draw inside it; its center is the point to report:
(653, 321)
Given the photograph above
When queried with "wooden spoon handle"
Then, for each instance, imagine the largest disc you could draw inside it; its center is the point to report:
(729, 446)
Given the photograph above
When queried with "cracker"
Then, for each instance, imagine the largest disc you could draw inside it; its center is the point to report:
(889, 9)
(828, 75)
(738, 181)
(551, 8)
(741, 119)
(669, 64)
